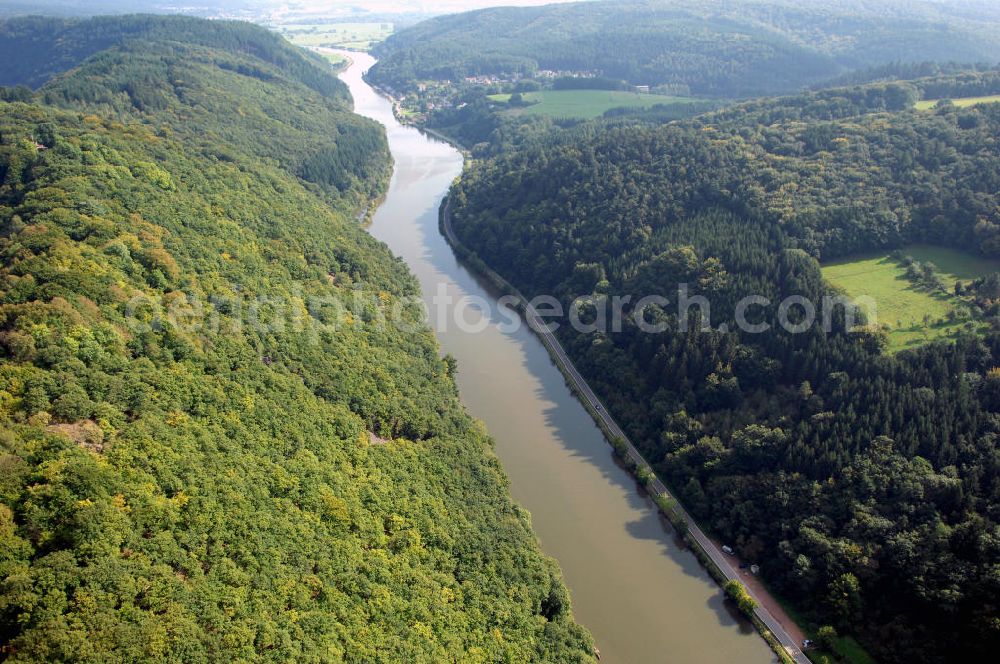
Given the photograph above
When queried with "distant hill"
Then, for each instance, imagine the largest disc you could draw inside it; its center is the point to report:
(83, 8)
(225, 83)
(723, 48)
(33, 49)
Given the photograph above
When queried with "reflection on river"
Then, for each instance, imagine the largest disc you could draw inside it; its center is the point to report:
(644, 598)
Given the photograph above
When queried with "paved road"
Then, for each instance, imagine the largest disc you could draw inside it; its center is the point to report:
(721, 560)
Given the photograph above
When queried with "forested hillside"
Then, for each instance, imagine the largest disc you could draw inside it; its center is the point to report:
(202, 456)
(716, 48)
(34, 49)
(865, 485)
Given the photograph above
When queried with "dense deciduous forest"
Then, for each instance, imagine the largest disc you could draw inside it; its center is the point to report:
(716, 48)
(865, 485)
(268, 484)
(34, 49)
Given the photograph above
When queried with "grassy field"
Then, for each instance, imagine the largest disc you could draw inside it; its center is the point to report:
(845, 649)
(353, 36)
(333, 58)
(851, 651)
(927, 104)
(912, 314)
(953, 265)
(585, 104)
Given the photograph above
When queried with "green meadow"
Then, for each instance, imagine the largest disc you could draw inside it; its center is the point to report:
(927, 104)
(334, 59)
(585, 104)
(353, 36)
(912, 314)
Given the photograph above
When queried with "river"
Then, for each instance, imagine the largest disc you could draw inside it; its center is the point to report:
(640, 593)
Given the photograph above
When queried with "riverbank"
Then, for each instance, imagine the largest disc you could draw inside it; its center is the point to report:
(401, 118)
(784, 640)
(396, 109)
(639, 591)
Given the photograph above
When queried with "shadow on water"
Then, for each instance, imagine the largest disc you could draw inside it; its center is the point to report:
(562, 418)
(651, 525)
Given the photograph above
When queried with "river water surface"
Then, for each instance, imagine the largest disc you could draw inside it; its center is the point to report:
(642, 596)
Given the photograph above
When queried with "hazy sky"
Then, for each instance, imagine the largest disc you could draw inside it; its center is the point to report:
(424, 6)
(268, 11)
(319, 7)
(258, 8)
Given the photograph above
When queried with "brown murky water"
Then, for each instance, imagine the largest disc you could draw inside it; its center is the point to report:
(643, 597)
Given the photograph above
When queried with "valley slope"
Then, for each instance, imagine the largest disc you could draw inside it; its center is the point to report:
(716, 48)
(864, 484)
(212, 448)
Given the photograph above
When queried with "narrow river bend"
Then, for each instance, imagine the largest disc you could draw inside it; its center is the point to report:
(643, 597)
